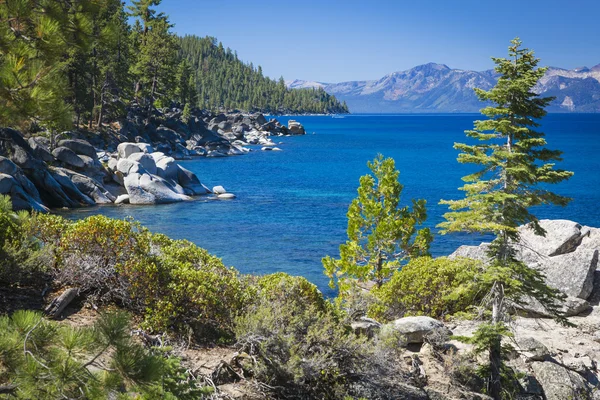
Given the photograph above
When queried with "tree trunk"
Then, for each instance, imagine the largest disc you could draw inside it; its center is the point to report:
(101, 112)
(58, 305)
(152, 93)
(495, 354)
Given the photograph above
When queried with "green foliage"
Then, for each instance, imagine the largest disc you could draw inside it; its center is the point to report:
(20, 255)
(486, 338)
(174, 284)
(380, 233)
(511, 154)
(436, 287)
(514, 162)
(46, 360)
(302, 349)
(183, 287)
(82, 59)
(222, 80)
(279, 286)
(35, 36)
(155, 67)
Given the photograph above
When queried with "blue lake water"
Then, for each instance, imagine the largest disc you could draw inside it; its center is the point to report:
(291, 205)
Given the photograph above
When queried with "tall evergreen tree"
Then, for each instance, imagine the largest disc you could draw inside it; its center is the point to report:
(114, 58)
(156, 64)
(514, 166)
(35, 37)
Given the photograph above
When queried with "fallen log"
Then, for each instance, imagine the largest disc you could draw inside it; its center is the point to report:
(57, 306)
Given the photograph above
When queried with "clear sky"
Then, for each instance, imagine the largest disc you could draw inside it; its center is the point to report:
(334, 41)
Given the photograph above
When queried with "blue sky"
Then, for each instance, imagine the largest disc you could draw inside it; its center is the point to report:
(334, 41)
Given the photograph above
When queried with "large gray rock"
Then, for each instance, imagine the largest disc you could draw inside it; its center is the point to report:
(570, 307)
(559, 383)
(145, 147)
(150, 189)
(532, 349)
(567, 256)
(90, 187)
(68, 157)
(260, 119)
(415, 329)
(365, 326)
(7, 166)
(61, 175)
(145, 160)
(474, 252)
(40, 146)
(19, 198)
(167, 168)
(189, 180)
(157, 156)
(562, 236)
(126, 149)
(591, 238)
(219, 190)
(296, 128)
(126, 166)
(122, 199)
(79, 146)
(571, 273)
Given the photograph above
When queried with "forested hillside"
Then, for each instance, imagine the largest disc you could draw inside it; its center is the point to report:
(223, 80)
(81, 63)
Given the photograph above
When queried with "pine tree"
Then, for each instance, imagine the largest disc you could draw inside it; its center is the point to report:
(113, 87)
(156, 64)
(514, 163)
(380, 233)
(35, 37)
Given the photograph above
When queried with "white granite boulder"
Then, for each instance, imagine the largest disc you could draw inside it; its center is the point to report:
(415, 329)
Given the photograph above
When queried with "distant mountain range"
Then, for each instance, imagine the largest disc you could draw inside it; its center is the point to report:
(437, 88)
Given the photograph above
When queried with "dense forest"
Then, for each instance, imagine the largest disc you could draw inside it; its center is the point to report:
(81, 62)
(222, 80)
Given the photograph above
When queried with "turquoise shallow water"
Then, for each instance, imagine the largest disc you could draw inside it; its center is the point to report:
(291, 205)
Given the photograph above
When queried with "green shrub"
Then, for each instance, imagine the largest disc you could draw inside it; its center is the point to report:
(183, 286)
(436, 287)
(21, 258)
(280, 286)
(302, 348)
(173, 283)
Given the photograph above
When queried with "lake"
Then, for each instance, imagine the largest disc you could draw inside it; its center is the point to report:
(290, 209)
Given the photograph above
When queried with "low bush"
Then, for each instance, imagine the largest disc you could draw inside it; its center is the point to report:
(22, 259)
(182, 286)
(302, 349)
(173, 284)
(437, 287)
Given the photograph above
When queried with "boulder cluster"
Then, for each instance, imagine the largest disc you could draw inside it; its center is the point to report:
(554, 361)
(567, 256)
(132, 161)
(205, 133)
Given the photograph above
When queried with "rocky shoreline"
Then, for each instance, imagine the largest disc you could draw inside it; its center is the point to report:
(554, 361)
(133, 160)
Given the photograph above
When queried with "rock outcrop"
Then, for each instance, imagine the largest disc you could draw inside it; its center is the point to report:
(415, 329)
(567, 256)
(136, 156)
